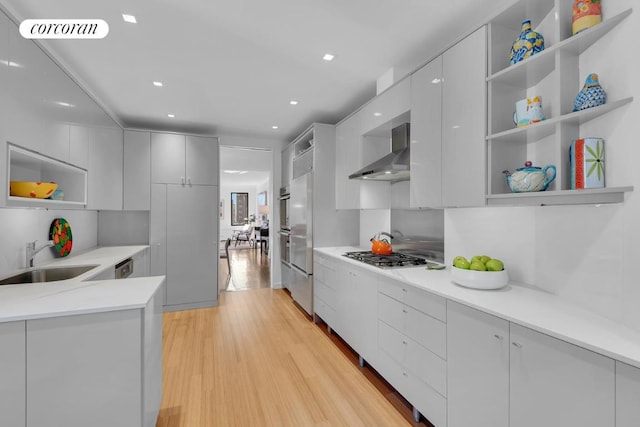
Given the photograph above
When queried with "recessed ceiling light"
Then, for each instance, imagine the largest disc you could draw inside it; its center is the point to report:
(158, 84)
(377, 114)
(10, 63)
(171, 115)
(63, 104)
(274, 127)
(234, 172)
(293, 102)
(129, 18)
(328, 57)
(436, 80)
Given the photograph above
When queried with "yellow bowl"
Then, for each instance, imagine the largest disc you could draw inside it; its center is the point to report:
(31, 189)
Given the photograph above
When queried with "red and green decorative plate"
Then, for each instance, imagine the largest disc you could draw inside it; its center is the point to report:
(60, 233)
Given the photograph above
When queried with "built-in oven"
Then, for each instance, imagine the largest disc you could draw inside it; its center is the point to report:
(285, 243)
(285, 197)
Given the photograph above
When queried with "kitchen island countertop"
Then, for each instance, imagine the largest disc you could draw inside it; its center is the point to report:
(79, 295)
(522, 304)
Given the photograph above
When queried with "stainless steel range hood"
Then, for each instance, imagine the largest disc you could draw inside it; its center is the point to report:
(395, 165)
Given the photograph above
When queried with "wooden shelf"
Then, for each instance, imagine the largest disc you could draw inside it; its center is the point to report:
(562, 197)
(532, 70)
(545, 128)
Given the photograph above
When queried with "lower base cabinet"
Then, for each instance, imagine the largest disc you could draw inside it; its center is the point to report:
(522, 378)
(99, 369)
(627, 395)
(12, 372)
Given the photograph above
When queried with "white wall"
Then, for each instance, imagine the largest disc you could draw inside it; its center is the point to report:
(26, 225)
(587, 255)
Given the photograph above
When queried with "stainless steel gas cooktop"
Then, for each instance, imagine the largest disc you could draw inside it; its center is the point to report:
(394, 260)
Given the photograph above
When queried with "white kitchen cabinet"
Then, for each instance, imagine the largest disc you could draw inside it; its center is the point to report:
(348, 160)
(137, 171)
(286, 166)
(191, 245)
(556, 75)
(386, 108)
(186, 160)
(105, 165)
(158, 234)
(501, 374)
(325, 296)
(464, 67)
(627, 395)
(412, 347)
(140, 264)
(12, 372)
(576, 387)
(477, 368)
(357, 310)
(100, 369)
(426, 136)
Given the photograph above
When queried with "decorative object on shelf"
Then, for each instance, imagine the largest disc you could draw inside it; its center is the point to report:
(586, 14)
(60, 233)
(586, 157)
(591, 95)
(530, 178)
(528, 110)
(57, 195)
(32, 189)
(528, 43)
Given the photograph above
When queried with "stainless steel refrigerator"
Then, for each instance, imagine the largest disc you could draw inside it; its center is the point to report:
(301, 221)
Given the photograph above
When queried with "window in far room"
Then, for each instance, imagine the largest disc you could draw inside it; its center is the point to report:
(239, 208)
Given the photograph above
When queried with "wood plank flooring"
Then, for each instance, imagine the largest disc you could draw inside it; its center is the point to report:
(258, 360)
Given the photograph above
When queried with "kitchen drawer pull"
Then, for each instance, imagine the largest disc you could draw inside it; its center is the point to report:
(404, 342)
(404, 310)
(404, 289)
(516, 344)
(405, 374)
(500, 337)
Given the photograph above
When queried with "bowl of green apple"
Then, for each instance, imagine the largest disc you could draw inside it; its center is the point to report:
(481, 272)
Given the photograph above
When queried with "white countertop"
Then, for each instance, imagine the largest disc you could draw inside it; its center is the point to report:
(79, 295)
(524, 305)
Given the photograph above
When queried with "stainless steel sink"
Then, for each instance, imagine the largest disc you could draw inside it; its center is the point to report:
(51, 274)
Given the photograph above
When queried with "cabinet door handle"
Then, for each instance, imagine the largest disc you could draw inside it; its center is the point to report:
(182, 180)
(404, 310)
(516, 344)
(404, 289)
(500, 337)
(189, 180)
(405, 374)
(404, 342)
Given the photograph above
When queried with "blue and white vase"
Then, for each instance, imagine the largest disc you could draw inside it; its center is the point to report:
(591, 95)
(528, 43)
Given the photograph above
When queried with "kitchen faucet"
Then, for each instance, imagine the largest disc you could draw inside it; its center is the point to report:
(32, 251)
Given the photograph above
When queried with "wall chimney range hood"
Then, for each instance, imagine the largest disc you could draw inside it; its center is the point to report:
(395, 165)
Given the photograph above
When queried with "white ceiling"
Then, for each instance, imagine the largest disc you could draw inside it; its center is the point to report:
(256, 163)
(231, 67)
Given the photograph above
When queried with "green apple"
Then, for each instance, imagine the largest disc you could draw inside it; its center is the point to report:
(480, 258)
(494, 265)
(461, 262)
(478, 266)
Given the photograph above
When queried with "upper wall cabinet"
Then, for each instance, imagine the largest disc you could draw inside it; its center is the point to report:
(365, 137)
(448, 127)
(137, 171)
(426, 136)
(186, 160)
(464, 122)
(287, 166)
(105, 164)
(556, 76)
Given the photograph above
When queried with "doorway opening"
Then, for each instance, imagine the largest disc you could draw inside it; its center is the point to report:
(245, 213)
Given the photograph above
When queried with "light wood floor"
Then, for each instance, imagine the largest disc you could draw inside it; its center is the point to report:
(258, 360)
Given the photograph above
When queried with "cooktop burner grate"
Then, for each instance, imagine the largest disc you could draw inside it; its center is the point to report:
(386, 261)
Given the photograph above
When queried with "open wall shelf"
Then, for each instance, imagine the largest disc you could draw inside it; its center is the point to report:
(28, 165)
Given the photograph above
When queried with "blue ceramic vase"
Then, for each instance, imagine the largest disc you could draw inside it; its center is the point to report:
(591, 95)
(528, 43)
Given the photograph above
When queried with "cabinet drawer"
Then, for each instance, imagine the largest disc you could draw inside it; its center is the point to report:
(429, 402)
(326, 312)
(433, 305)
(427, 331)
(324, 270)
(428, 367)
(327, 294)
